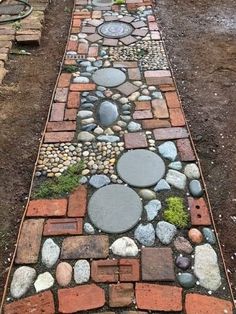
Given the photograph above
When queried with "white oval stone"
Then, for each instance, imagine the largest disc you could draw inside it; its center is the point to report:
(81, 271)
(43, 282)
(22, 279)
(50, 253)
(124, 247)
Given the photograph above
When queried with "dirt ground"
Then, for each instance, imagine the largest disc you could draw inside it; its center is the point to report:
(200, 38)
(24, 104)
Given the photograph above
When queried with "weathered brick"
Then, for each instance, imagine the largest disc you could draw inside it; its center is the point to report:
(142, 105)
(158, 297)
(129, 269)
(155, 35)
(57, 112)
(44, 208)
(29, 242)
(111, 42)
(58, 137)
(61, 94)
(134, 74)
(77, 205)
(63, 226)
(39, 303)
(199, 212)
(127, 88)
(170, 133)
(167, 87)
(203, 304)
(185, 150)
(105, 271)
(83, 48)
(125, 64)
(61, 126)
(76, 22)
(82, 87)
(73, 101)
(64, 80)
(153, 26)
(72, 45)
(177, 117)
(80, 298)
(121, 295)
(85, 247)
(172, 100)
(157, 73)
(157, 264)
(159, 109)
(88, 29)
(33, 37)
(135, 140)
(93, 52)
(142, 114)
(155, 123)
(70, 114)
(70, 62)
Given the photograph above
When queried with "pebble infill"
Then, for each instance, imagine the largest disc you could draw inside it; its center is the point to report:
(111, 244)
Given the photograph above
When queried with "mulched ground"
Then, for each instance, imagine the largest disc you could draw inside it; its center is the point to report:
(201, 43)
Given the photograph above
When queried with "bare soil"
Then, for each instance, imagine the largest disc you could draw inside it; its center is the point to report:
(200, 38)
(24, 104)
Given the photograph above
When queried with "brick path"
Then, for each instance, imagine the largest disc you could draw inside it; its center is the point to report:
(69, 257)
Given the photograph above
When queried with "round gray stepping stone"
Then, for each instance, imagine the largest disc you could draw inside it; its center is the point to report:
(115, 208)
(141, 168)
(109, 77)
(115, 29)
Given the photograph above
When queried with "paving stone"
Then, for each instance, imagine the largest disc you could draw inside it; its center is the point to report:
(114, 208)
(23, 278)
(202, 304)
(152, 208)
(209, 235)
(176, 179)
(29, 241)
(158, 297)
(64, 274)
(145, 234)
(80, 298)
(129, 270)
(121, 295)
(112, 42)
(168, 150)
(125, 64)
(142, 105)
(140, 32)
(172, 100)
(105, 271)
(124, 247)
(159, 108)
(127, 88)
(58, 137)
(39, 303)
(140, 168)
(195, 188)
(99, 180)
(157, 264)
(81, 271)
(44, 208)
(199, 212)
(134, 74)
(128, 40)
(109, 77)
(61, 95)
(165, 232)
(155, 123)
(183, 262)
(85, 247)
(50, 253)
(142, 114)
(206, 267)
(170, 133)
(135, 140)
(44, 281)
(138, 24)
(186, 280)
(63, 226)
(185, 150)
(77, 204)
(57, 112)
(183, 245)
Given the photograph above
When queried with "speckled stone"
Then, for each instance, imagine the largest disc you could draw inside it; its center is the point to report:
(145, 234)
(165, 232)
(209, 235)
(152, 209)
(168, 150)
(99, 180)
(195, 188)
(147, 194)
(81, 271)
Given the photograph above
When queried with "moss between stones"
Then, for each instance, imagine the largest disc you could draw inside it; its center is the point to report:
(62, 185)
(119, 2)
(70, 68)
(176, 213)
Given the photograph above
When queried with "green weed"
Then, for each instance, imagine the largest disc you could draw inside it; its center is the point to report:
(176, 213)
(70, 68)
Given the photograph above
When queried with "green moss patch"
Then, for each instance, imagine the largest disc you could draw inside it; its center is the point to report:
(176, 213)
(62, 185)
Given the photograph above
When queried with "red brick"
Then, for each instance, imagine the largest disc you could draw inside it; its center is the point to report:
(202, 304)
(199, 212)
(70, 114)
(61, 126)
(129, 270)
(125, 64)
(44, 208)
(142, 105)
(158, 297)
(155, 123)
(81, 298)
(158, 77)
(105, 271)
(153, 26)
(73, 100)
(121, 295)
(157, 73)
(83, 48)
(151, 18)
(170, 133)
(63, 226)
(64, 80)
(135, 140)
(185, 150)
(57, 112)
(82, 87)
(29, 242)
(167, 87)
(93, 52)
(134, 74)
(159, 109)
(76, 22)
(155, 35)
(39, 303)
(93, 246)
(172, 100)
(58, 137)
(177, 117)
(70, 62)
(77, 205)
(142, 114)
(61, 94)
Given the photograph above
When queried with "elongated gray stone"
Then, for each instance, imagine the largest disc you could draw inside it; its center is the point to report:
(108, 138)
(22, 280)
(50, 253)
(81, 271)
(152, 208)
(107, 113)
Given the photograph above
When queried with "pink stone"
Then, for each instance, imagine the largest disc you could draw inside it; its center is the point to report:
(64, 274)
(195, 235)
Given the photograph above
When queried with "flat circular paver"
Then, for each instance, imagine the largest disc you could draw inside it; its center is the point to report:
(109, 77)
(115, 208)
(141, 168)
(115, 29)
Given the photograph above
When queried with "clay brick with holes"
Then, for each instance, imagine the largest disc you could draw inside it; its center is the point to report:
(129, 270)
(135, 140)
(47, 208)
(170, 133)
(142, 114)
(63, 226)
(185, 150)
(105, 271)
(57, 112)
(121, 295)
(199, 212)
(77, 204)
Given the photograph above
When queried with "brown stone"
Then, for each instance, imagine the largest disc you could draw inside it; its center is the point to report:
(199, 212)
(157, 264)
(185, 150)
(39, 303)
(63, 226)
(127, 88)
(135, 140)
(85, 247)
(58, 137)
(170, 133)
(158, 297)
(29, 242)
(121, 295)
(195, 235)
(64, 274)
(159, 109)
(77, 205)
(183, 245)
(44, 208)
(81, 298)
(105, 271)
(155, 123)
(142, 114)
